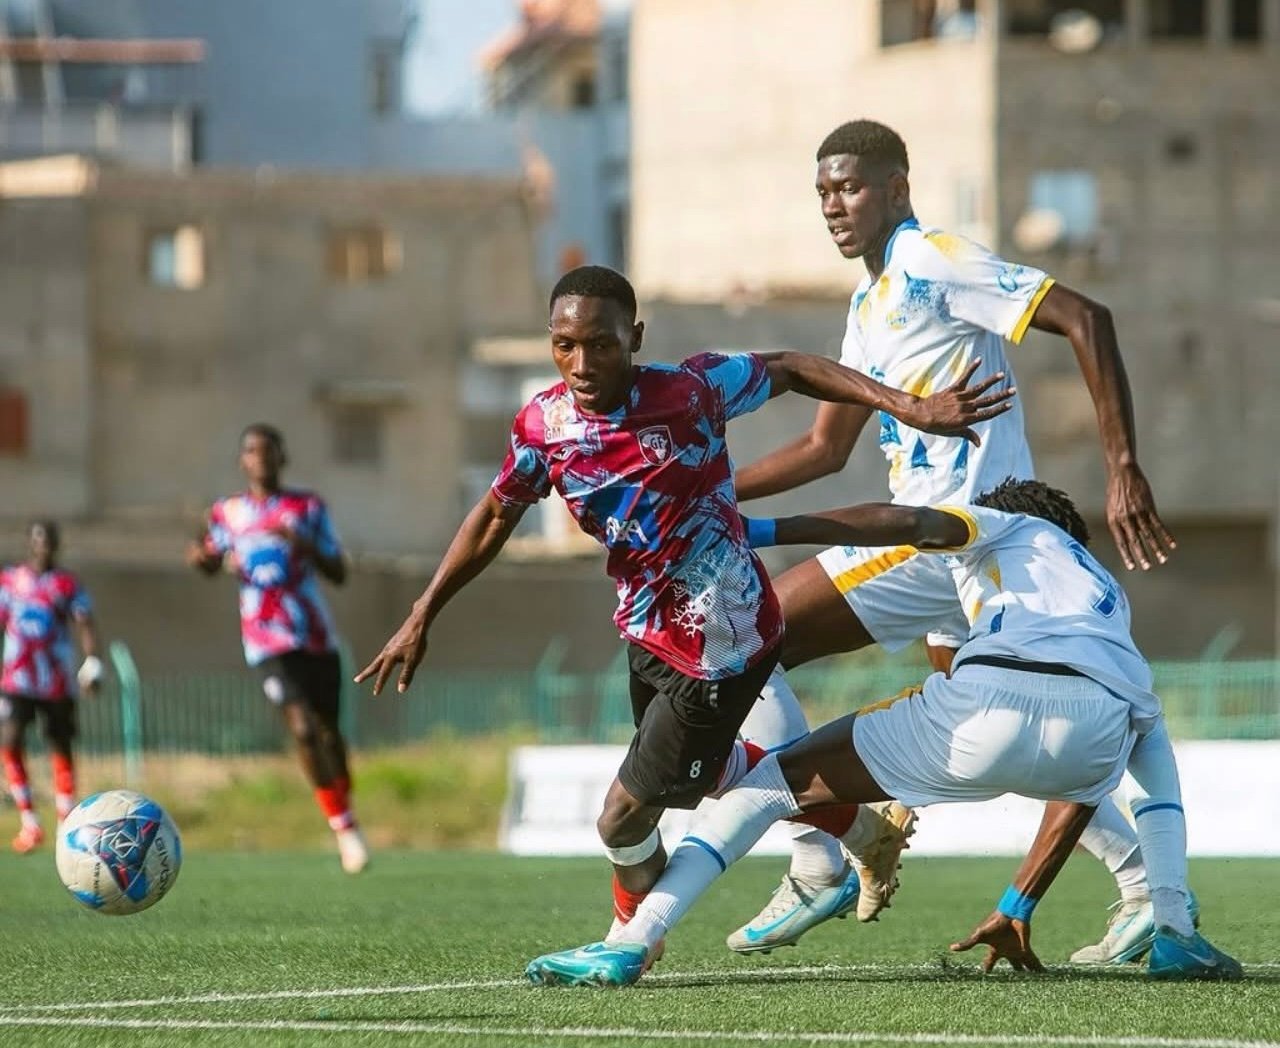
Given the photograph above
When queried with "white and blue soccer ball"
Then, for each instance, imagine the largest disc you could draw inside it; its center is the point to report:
(118, 852)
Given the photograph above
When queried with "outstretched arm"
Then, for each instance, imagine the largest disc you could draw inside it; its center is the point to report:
(1007, 932)
(950, 412)
(201, 556)
(825, 449)
(873, 524)
(1139, 533)
(91, 670)
(483, 533)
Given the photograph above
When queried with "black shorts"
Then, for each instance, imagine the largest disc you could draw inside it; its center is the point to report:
(309, 677)
(685, 728)
(59, 715)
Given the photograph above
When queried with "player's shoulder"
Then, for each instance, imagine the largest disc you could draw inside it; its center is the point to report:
(67, 582)
(303, 497)
(706, 366)
(933, 245)
(548, 411)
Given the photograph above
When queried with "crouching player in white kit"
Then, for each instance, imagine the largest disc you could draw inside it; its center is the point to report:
(1049, 698)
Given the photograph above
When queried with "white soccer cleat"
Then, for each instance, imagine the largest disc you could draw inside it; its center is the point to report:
(1131, 929)
(352, 850)
(794, 908)
(878, 862)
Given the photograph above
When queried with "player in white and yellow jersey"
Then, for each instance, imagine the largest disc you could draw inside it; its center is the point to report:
(1048, 698)
(930, 305)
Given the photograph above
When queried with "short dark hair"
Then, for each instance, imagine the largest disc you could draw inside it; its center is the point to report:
(881, 145)
(51, 531)
(596, 282)
(1036, 499)
(266, 431)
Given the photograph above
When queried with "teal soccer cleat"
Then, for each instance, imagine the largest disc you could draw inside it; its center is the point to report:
(794, 909)
(1175, 956)
(598, 964)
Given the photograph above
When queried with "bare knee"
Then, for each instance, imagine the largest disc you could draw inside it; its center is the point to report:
(621, 825)
(819, 619)
(301, 725)
(824, 768)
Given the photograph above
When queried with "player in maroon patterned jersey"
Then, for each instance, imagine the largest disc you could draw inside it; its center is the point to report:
(278, 540)
(39, 602)
(639, 455)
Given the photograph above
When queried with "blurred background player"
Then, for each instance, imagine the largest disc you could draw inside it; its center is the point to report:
(639, 454)
(38, 603)
(277, 539)
(931, 304)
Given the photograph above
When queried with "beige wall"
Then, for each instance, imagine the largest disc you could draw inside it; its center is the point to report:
(177, 373)
(730, 99)
(44, 352)
(1187, 258)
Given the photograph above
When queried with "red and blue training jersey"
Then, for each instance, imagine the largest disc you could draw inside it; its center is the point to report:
(36, 612)
(653, 483)
(281, 606)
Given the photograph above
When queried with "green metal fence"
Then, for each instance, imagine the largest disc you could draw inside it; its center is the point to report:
(225, 713)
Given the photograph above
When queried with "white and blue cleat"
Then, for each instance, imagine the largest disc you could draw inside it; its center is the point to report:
(1131, 930)
(1186, 957)
(794, 909)
(597, 964)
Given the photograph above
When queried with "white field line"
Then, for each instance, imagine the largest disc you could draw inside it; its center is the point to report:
(744, 974)
(630, 1033)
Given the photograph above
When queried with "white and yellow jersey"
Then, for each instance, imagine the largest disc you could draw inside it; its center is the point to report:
(942, 302)
(1032, 592)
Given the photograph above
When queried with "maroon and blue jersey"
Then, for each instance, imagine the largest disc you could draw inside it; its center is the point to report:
(653, 483)
(36, 612)
(281, 606)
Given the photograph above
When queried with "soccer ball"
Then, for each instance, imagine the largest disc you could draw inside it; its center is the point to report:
(118, 852)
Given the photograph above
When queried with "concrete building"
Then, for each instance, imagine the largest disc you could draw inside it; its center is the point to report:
(288, 83)
(1131, 147)
(296, 85)
(146, 317)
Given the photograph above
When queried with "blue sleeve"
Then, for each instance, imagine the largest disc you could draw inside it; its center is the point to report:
(80, 606)
(525, 477)
(323, 534)
(741, 379)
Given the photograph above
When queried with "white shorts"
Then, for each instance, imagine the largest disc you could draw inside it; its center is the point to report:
(987, 731)
(899, 595)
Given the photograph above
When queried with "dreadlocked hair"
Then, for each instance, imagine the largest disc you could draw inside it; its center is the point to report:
(1033, 498)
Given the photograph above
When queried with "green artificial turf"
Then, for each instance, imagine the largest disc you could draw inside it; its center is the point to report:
(430, 947)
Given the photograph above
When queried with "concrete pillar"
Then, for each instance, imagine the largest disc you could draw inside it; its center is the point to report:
(1271, 25)
(1136, 23)
(1218, 23)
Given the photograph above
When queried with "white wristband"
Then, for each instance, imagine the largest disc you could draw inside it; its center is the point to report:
(91, 671)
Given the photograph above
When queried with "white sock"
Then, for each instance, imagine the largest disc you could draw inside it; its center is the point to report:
(863, 831)
(1156, 801)
(718, 837)
(1131, 879)
(777, 721)
(1111, 838)
(816, 857)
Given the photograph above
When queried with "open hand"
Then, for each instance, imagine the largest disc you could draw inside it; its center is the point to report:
(406, 648)
(952, 411)
(1139, 533)
(1005, 938)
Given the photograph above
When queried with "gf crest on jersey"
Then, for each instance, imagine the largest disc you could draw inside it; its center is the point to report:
(655, 444)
